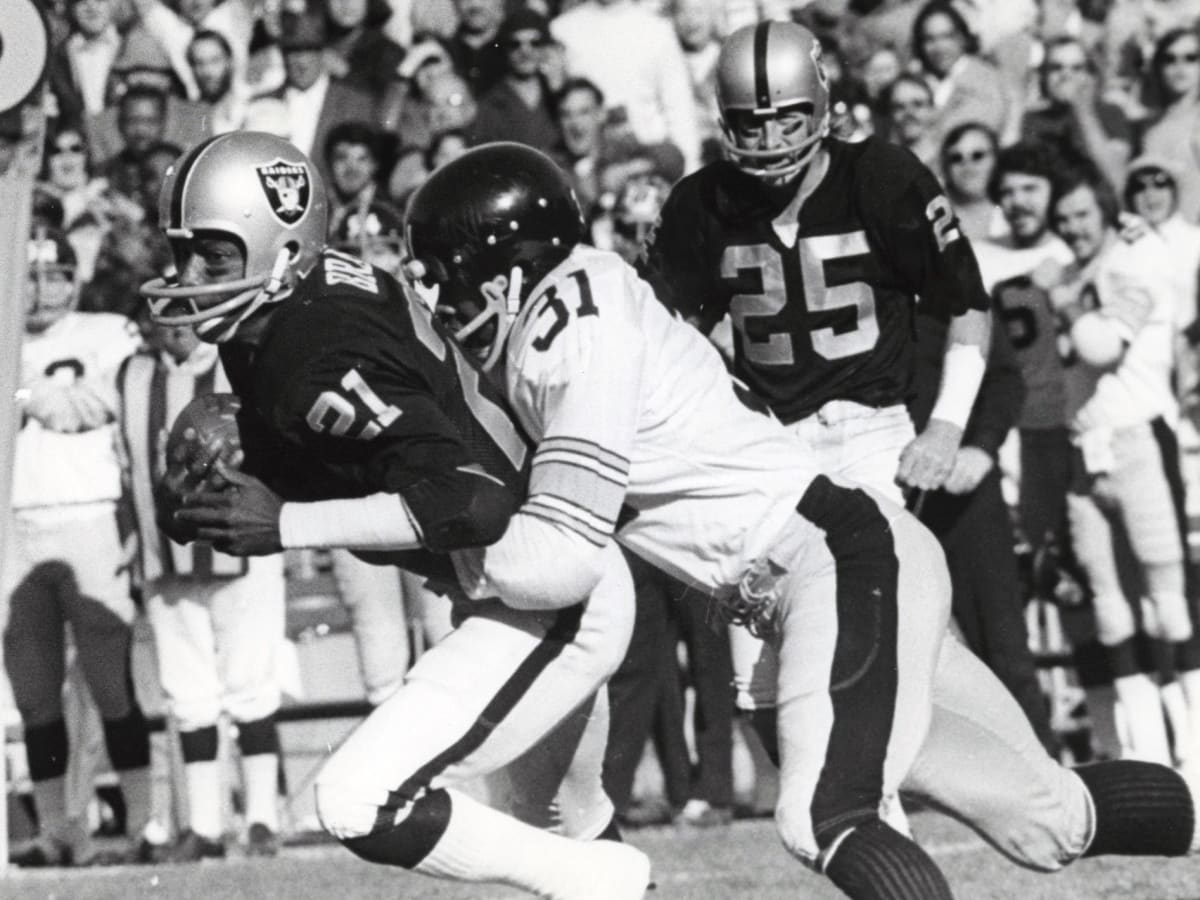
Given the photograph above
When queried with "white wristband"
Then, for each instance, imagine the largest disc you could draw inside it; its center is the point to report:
(962, 373)
(378, 522)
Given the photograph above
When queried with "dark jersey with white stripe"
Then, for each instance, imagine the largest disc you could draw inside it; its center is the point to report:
(355, 389)
(825, 310)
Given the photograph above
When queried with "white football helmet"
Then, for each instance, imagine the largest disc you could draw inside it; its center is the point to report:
(263, 193)
(766, 73)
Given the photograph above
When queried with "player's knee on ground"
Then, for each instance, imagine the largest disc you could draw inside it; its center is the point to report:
(393, 832)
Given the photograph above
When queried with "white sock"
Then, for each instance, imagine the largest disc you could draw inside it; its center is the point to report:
(1141, 702)
(138, 788)
(204, 797)
(481, 844)
(260, 778)
(1190, 681)
(50, 799)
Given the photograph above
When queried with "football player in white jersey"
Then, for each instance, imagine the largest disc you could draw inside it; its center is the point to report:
(1116, 304)
(642, 435)
(64, 560)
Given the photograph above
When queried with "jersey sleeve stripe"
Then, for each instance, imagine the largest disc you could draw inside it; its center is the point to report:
(557, 459)
(579, 485)
(585, 448)
(550, 513)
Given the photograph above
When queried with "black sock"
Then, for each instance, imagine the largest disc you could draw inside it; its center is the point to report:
(876, 862)
(1142, 809)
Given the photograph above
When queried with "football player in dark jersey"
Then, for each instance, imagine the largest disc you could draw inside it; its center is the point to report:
(362, 426)
(817, 250)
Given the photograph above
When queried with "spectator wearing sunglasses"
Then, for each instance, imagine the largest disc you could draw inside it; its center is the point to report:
(518, 107)
(1175, 130)
(1071, 115)
(968, 156)
(1152, 192)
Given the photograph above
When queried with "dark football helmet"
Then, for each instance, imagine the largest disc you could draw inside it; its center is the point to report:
(773, 95)
(483, 230)
(262, 192)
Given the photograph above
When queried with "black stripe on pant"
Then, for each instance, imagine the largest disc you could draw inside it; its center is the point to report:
(510, 693)
(864, 676)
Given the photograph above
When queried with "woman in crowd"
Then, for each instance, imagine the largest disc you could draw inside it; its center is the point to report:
(967, 158)
(1174, 132)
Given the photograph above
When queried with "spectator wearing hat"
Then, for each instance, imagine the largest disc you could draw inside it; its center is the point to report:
(633, 56)
(598, 158)
(475, 45)
(316, 102)
(518, 107)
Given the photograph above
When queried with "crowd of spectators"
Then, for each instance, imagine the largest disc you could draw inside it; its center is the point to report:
(620, 93)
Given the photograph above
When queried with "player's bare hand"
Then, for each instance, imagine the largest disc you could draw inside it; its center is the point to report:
(241, 519)
(971, 465)
(929, 457)
(1132, 227)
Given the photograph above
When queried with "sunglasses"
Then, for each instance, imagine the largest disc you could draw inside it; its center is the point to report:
(1180, 58)
(1066, 67)
(74, 147)
(1156, 179)
(518, 43)
(956, 158)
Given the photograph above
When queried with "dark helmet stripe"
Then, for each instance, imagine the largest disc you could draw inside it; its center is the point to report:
(185, 165)
(762, 91)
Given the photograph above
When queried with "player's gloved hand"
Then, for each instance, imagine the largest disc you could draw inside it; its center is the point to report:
(971, 465)
(241, 519)
(929, 457)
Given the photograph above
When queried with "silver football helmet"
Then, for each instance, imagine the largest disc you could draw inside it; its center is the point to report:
(773, 96)
(258, 190)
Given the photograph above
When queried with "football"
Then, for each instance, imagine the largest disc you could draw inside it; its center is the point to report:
(205, 431)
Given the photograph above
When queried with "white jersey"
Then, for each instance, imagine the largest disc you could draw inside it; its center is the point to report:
(53, 469)
(1129, 285)
(1000, 258)
(640, 429)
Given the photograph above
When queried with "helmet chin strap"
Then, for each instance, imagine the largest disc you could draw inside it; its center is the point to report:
(217, 323)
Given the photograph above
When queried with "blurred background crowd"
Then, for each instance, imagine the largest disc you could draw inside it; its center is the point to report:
(620, 93)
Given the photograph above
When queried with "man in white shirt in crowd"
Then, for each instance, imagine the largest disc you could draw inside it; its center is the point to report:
(646, 78)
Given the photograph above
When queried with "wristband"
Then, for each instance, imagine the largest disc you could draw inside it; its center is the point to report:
(962, 373)
(378, 522)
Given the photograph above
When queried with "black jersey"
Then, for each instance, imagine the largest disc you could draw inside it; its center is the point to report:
(355, 389)
(825, 310)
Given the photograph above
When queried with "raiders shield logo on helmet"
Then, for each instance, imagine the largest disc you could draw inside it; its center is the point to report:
(287, 186)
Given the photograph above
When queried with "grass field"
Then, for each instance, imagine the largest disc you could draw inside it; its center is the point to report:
(743, 861)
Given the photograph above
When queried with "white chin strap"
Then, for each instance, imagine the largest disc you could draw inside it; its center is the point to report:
(219, 322)
(503, 302)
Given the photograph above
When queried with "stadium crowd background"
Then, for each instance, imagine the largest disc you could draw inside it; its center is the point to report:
(620, 93)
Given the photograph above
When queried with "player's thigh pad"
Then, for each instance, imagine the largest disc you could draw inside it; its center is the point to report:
(984, 765)
(860, 636)
(474, 702)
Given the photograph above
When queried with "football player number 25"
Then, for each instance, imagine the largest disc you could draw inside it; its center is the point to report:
(764, 347)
